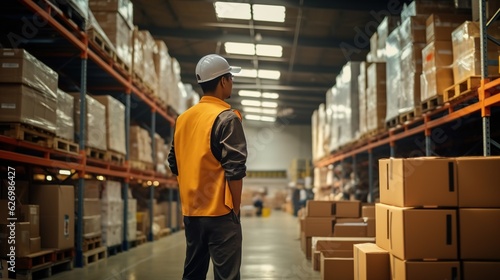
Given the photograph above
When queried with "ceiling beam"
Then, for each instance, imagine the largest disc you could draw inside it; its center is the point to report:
(221, 36)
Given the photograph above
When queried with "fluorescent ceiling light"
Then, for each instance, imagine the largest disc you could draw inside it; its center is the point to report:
(269, 104)
(249, 93)
(269, 13)
(260, 118)
(260, 110)
(252, 117)
(65, 172)
(232, 10)
(269, 50)
(267, 119)
(249, 73)
(247, 102)
(240, 48)
(270, 95)
(269, 74)
(270, 111)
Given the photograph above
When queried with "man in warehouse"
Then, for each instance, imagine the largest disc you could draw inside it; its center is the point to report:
(208, 155)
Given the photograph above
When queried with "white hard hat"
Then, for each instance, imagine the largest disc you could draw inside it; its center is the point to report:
(212, 66)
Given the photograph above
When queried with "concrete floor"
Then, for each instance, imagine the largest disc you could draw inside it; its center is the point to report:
(271, 250)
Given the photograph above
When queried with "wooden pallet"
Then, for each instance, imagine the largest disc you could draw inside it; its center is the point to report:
(97, 39)
(113, 250)
(91, 243)
(62, 255)
(95, 153)
(94, 255)
(36, 272)
(27, 133)
(35, 260)
(410, 115)
(431, 103)
(115, 157)
(162, 233)
(467, 85)
(392, 122)
(67, 146)
(373, 133)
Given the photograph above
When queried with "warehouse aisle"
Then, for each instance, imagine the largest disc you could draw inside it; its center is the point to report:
(271, 251)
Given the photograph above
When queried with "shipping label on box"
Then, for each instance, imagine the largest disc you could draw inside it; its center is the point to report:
(422, 181)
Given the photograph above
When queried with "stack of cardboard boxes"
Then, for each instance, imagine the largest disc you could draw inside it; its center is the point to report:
(91, 209)
(436, 217)
(112, 214)
(95, 122)
(114, 122)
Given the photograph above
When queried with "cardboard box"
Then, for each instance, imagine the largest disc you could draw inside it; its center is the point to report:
(428, 270)
(91, 189)
(472, 270)
(22, 240)
(91, 206)
(31, 214)
(371, 262)
(479, 233)
(440, 26)
(319, 208)
(424, 181)
(316, 260)
(21, 103)
(368, 211)
(405, 231)
(318, 226)
(329, 254)
(347, 209)
(306, 245)
(350, 230)
(333, 267)
(478, 181)
(339, 243)
(35, 244)
(413, 30)
(57, 215)
(17, 66)
(370, 229)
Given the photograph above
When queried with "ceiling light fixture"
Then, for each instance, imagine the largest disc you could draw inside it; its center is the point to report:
(269, 13)
(269, 74)
(232, 10)
(270, 95)
(249, 93)
(247, 102)
(269, 104)
(260, 118)
(252, 49)
(269, 50)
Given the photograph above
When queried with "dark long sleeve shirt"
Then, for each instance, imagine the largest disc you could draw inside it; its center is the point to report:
(228, 145)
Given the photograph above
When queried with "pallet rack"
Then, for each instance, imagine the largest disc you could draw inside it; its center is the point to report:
(484, 100)
(62, 43)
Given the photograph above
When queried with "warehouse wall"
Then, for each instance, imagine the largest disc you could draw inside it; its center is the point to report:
(273, 146)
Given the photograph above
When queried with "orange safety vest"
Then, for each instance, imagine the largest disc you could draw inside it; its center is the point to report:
(203, 187)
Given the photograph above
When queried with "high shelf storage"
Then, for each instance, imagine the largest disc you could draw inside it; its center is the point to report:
(465, 121)
(62, 43)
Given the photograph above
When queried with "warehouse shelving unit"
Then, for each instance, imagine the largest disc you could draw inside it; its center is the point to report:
(482, 103)
(62, 44)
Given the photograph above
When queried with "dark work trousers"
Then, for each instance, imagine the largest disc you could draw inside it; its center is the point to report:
(217, 237)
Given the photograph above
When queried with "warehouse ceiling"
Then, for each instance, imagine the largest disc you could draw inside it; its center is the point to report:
(317, 38)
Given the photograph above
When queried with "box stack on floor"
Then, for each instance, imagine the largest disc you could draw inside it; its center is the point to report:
(328, 231)
(436, 218)
(92, 205)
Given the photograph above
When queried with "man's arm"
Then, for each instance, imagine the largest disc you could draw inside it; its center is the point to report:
(172, 161)
(236, 186)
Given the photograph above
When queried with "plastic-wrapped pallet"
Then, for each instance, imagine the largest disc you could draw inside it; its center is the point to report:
(362, 98)
(95, 125)
(140, 144)
(411, 66)
(175, 95)
(65, 127)
(328, 126)
(314, 132)
(345, 115)
(386, 26)
(124, 8)
(115, 123)
(112, 213)
(376, 96)
(132, 219)
(393, 74)
(466, 50)
(148, 49)
(163, 67)
(321, 130)
(28, 90)
(425, 7)
(437, 73)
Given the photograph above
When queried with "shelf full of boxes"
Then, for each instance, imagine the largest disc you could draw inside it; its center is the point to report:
(82, 120)
(423, 90)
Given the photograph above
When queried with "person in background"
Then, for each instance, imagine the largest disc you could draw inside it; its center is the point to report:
(208, 155)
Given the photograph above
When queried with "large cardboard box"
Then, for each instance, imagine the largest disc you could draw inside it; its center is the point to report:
(306, 245)
(333, 267)
(428, 270)
(478, 181)
(91, 206)
(479, 233)
(437, 75)
(318, 226)
(347, 209)
(473, 270)
(371, 262)
(31, 214)
(319, 208)
(57, 214)
(316, 260)
(350, 230)
(35, 244)
(368, 211)
(91, 189)
(370, 230)
(424, 181)
(440, 26)
(21, 103)
(403, 231)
